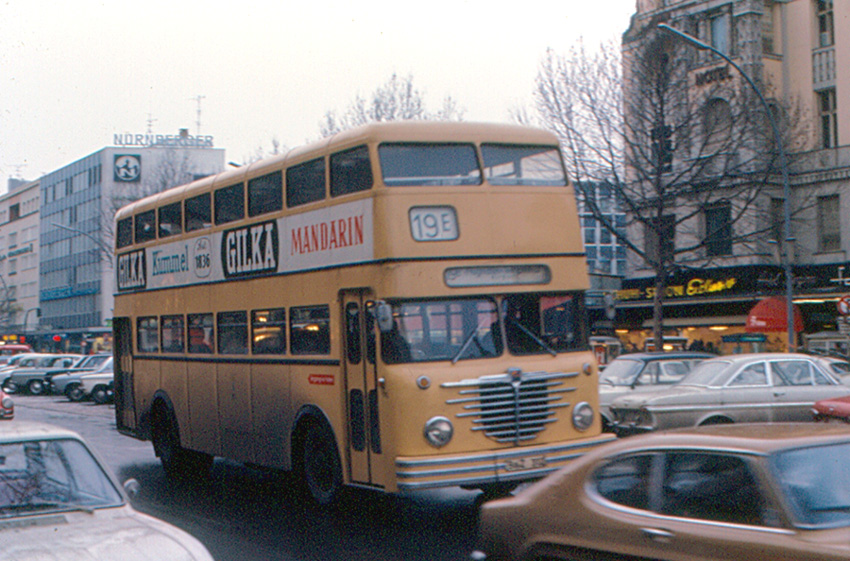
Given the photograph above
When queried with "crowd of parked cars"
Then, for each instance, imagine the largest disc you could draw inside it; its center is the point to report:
(77, 377)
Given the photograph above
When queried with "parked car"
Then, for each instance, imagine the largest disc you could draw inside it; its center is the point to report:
(87, 363)
(755, 492)
(58, 501)
(747, 388)
(838, 367)
(9, 350)
(638, 372)
(833, 409)
(96, 386)
(7, 407)
(20, 360)
(65, 384)
(31, 378)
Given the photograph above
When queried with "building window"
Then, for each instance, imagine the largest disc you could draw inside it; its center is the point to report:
(718, 230)
(767, 28)
(826, 28)
(829, 231)
(828, 118)
(719, 30)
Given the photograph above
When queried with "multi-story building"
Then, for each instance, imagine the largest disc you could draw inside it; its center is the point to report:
(19, 251)
(56, 235)
(797, 52)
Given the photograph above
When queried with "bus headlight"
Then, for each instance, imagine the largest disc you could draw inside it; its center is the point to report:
(582, 416)
(438, 431)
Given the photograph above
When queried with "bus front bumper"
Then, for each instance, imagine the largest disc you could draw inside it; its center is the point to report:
(526, 463)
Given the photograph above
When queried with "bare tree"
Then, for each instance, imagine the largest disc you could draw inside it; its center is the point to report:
(692, 166)
(396, 100)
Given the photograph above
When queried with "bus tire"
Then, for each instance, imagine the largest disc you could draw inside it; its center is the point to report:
(318, 466)
(179, 464)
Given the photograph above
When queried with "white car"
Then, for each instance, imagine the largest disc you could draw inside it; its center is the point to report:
(97, 386)
(66, 382)
(57, 501)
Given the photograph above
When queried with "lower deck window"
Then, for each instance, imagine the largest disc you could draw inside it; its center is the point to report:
(309, 331)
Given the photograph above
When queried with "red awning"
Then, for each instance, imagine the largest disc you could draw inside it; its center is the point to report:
(771, 314)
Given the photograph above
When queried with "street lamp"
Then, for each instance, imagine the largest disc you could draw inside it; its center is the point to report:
(783, 164)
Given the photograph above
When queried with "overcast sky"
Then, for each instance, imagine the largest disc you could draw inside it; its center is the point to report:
(74, 73)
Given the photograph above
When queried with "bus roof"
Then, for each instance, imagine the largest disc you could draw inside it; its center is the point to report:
(396, 131)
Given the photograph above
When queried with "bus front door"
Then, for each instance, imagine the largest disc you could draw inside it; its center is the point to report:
(363, 421)
(125, 408)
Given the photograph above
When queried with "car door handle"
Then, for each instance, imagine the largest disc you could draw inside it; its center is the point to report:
(657, 534)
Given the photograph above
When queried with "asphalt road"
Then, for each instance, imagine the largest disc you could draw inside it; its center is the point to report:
(242, 514)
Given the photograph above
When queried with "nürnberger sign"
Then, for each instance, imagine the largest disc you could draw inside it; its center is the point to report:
(169, 140)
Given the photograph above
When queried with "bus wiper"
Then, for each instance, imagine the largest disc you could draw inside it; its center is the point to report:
(534, 337)
(465, 345)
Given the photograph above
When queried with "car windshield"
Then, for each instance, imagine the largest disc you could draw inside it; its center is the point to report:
(470, 328)
(621, 372)
(709, 373)
(52, 476)
(816, 483)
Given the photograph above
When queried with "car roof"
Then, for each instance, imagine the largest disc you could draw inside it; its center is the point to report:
(14, 431)
(663, 355)
(759, 438)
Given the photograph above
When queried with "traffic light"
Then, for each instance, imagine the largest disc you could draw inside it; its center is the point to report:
(662, 147)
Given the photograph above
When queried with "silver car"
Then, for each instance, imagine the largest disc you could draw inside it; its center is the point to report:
(642, 372)
(766, 387)
(58, 502)
(32, 378)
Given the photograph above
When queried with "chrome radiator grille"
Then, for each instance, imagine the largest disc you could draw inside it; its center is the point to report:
(512, 407)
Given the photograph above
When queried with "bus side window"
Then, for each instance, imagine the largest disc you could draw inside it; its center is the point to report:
(305, 183)
(145, 226)
(201, 336)
(350, 171)
(198, 214)
(172, 334)
(268, 332)
(124, 233)
(170, 220)
(309, 330)
(147, 333)
(230, 204)
(265, 194)
(232, 333)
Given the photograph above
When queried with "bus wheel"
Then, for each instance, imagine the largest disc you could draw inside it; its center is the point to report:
(36, 387)
(320, 472)
(178, 463)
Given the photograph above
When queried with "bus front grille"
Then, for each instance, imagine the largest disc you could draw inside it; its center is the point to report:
(512, 407)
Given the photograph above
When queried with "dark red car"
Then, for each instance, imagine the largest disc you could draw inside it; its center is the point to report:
(7, 406)
(836, 408)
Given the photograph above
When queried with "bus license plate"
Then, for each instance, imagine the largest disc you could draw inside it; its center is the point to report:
(520, 464)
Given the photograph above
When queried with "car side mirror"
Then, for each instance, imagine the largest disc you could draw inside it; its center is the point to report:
(132, 487)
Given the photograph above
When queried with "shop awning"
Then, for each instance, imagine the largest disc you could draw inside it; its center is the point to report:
(771, 314)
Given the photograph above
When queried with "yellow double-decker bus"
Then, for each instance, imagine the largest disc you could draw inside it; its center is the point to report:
(400, 307)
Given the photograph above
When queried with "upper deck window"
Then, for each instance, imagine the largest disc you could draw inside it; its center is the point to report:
(350, 171)
(230, 204)
(124, 233)
(265, 194)
(198, 212)
(507, 164)
(145, 226)
(305, 183)
(170, 219)
(429, 164)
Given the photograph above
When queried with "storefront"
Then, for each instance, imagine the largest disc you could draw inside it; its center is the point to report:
(710, 307)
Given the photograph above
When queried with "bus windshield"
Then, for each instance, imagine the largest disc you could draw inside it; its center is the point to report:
(469, 328)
